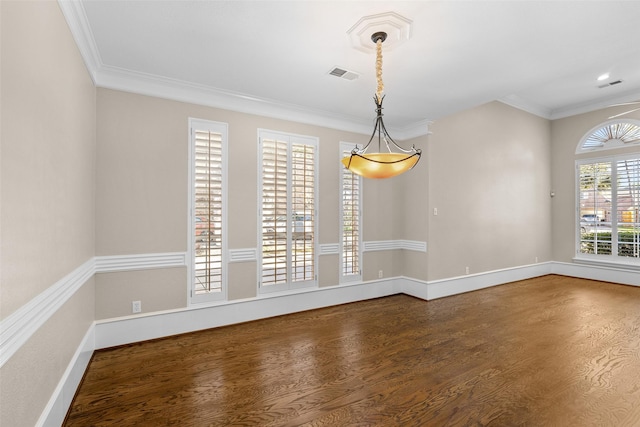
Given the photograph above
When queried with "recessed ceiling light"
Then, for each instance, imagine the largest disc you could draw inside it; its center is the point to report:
(602, 77)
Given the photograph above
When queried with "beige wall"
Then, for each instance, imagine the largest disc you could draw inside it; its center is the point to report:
(488, 170)
(158, 289)
(412, 189)
(141, 195)
(30, 377)
(565, 136)
(47, 199)
(489, 178)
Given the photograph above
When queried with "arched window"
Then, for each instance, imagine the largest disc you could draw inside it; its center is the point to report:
(612, 134)
(608, 194)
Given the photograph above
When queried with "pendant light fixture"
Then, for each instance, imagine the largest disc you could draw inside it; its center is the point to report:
(383, 163)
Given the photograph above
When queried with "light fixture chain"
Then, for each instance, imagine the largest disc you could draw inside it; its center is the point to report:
(380, 88)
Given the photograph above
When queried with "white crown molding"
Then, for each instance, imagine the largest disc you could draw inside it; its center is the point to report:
(20, 325)
(110, 264)
(522, 104)
(415, 130)
(76, 18)
(572, 110)
(588, 107)
(177, 90)
(161, 87)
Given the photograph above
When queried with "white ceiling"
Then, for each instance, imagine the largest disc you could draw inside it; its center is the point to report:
(273, 57)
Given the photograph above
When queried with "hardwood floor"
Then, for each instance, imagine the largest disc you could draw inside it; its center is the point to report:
(550, 351)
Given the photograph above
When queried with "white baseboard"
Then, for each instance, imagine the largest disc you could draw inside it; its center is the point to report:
(113, 332)
(473, 282)
(119, 331)
(54, 413)
(597, 272)
(456, 285)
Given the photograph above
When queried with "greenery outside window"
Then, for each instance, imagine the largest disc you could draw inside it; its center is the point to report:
(608, 208)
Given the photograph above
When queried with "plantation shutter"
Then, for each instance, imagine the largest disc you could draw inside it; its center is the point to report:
(275, 244)
(288, 211)
(303, 219)
(627, 207)
(350, 216)
(207, 276)
(595, 207)
(609, 206)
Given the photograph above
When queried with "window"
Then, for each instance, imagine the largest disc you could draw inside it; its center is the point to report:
(611, 135)
(288, 197)
(608, 208)
(207, 210)
(350, 221)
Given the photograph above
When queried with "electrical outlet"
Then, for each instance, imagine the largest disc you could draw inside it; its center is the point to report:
(536, 260)
(379, 274)
(466, 270)
(136, 306)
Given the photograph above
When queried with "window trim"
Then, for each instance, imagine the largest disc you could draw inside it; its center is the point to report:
(347, 147)
(291, 138)
(595, 259)
(223, 129)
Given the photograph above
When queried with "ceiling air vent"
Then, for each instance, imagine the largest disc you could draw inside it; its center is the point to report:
(344, 74)
(617, 82)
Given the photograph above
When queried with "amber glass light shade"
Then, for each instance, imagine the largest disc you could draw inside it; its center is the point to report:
(380, 165)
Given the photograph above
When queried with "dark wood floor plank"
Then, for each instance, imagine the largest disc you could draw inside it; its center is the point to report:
(550, 351)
